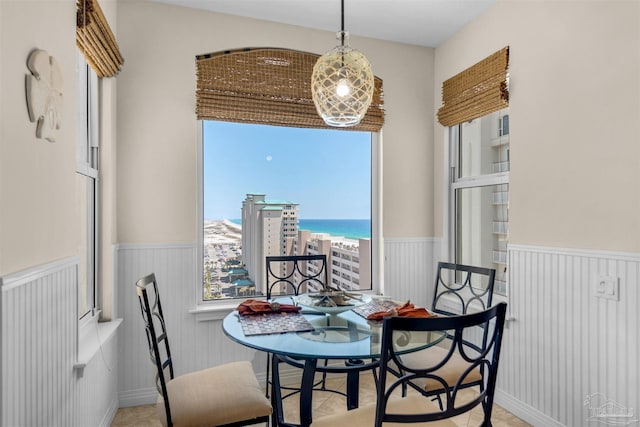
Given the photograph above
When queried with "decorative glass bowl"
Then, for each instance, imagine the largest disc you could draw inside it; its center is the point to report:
(332, 303)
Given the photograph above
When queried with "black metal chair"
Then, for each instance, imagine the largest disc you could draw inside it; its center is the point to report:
(392, 407)
(289, 275)
(227, 395)
(459, 289)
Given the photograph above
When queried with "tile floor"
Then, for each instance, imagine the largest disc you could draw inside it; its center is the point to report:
(324, 403)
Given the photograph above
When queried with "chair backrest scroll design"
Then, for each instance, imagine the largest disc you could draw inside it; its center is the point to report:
(465, 286)
(484, 359)
(295, 264)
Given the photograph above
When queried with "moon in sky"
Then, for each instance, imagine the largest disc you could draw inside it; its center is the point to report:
(269, 158)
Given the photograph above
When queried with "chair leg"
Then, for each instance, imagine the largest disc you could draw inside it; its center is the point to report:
(323, 383)
(276, 395)
(268, 376)
(374, 372)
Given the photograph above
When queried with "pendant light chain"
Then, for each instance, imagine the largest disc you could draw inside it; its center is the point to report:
(342, 22)
(342, 29)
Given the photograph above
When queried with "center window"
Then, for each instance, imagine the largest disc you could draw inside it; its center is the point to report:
(272, 191)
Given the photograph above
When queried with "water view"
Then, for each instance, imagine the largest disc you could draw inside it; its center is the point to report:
(223, 264)
(348, 228)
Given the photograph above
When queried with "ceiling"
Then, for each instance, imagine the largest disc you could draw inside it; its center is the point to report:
(419, 22)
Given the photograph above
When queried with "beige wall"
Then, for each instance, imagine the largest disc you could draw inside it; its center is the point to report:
(39, 217)
(41, 197)
(157, 125)
(574, 115)
(108, 172)
(575, 109)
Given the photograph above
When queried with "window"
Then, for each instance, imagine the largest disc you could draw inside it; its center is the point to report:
(479, 194)
(87, 177)
(272, 190)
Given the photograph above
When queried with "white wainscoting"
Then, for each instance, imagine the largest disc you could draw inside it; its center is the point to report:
(565, 344)
(562, 346)
(410, 268)
(39, 344)
(194, 344)
(97, 390)
(39, 332)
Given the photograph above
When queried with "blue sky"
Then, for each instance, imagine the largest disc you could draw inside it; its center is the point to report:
(327, 172)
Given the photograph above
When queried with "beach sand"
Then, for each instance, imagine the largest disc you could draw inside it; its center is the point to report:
(221, 232)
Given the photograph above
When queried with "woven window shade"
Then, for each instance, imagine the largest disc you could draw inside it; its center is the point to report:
(96, 40)
(477, 91)
(267, 86)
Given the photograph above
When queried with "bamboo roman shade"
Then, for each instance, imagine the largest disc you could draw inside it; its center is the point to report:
(267, 86)
(476, 91)
(96, 40)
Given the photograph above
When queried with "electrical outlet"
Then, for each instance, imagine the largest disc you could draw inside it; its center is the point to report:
(607, 287)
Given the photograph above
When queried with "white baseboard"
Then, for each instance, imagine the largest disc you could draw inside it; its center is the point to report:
(144, 396)
(110, 414)
(524, 411)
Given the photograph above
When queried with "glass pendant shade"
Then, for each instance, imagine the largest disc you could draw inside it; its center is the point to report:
(342, 85)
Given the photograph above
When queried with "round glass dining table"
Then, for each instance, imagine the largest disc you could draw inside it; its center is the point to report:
(346, 336)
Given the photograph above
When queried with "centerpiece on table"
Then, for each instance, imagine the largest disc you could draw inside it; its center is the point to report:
(332, 300)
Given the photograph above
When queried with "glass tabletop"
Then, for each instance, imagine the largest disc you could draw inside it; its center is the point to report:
(342, 336)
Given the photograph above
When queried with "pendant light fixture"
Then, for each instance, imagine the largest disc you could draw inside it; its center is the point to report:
(342, 83)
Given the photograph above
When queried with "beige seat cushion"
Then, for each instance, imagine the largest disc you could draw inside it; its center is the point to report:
(215, 396)
(365, 416)
(450, 372)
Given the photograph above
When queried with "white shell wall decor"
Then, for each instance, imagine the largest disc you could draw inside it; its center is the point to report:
(44, 94)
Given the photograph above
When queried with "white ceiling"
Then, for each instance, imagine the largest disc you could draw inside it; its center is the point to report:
(420, 22)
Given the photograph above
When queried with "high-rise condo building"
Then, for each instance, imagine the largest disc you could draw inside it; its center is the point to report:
(348, 262)
(268, 229)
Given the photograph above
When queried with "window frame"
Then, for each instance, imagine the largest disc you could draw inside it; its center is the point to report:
(454, 183)
(87, 164)
(224, 305)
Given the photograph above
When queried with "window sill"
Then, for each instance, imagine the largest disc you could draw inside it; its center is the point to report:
(215, 311)
(92, 335)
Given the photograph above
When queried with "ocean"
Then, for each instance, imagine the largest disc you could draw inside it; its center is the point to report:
(349, 228)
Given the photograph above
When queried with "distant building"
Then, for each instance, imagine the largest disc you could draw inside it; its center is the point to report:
(348, 263)
(268, 229)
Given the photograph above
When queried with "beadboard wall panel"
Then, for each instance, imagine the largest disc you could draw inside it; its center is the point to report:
(97, 390)
(410, 269)
(195, 344)
(39, 330)
(564, 344)
(39, 344)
